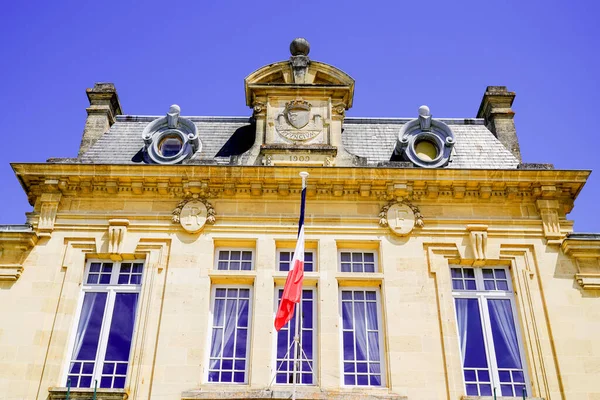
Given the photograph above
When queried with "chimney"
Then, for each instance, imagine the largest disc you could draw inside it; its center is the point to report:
(103, 109)
(496, 109)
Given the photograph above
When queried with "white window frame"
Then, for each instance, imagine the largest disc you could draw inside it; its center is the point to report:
(482, 295)
(291, 251)
(381, 333)
(362, 251)
(248, 337)
(314, 335)
(218, 251)
(111, 289)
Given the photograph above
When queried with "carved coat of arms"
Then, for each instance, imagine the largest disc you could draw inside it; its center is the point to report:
(296, 123)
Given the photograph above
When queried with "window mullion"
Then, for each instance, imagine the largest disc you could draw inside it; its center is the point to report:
(104, 333)
(489, 341)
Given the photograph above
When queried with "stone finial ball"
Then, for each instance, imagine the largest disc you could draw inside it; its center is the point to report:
(299, 47)
(424, 111)
(174, 109)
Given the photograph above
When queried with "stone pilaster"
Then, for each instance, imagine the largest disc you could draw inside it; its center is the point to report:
(496, 109)
(103, 109)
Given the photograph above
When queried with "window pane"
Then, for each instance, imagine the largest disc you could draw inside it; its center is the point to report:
(470, 333)
(229, 336)
(504, 334)
(121, 329)
(90, 323)
(285, 339)
(87, 339)
(234, 260)
(361, 338)
(119, 337)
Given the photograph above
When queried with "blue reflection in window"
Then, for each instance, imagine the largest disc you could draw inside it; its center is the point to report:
(285, 338)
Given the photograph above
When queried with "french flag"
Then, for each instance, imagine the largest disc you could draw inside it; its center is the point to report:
(292, 291)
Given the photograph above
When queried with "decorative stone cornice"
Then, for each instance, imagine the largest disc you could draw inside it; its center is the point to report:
(14, 247)
(384, 184)
(586, 252)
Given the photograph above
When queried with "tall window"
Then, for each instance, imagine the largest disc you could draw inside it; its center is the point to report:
(102, 343)
(361, 338)
(285, 338)
(234, 260)
(228, 361)
(285, 259)
(489, 340)
(358, 261)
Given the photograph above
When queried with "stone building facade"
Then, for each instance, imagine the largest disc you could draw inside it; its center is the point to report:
(438, 264)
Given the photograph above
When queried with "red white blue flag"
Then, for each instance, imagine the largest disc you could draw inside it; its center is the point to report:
(292, 291)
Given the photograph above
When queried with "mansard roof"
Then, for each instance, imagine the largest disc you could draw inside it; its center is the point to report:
(371, 138)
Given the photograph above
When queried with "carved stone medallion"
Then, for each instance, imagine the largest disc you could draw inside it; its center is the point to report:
(193, 214)
(401, 218)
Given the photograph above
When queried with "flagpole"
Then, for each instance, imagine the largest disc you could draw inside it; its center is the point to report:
(303, 175)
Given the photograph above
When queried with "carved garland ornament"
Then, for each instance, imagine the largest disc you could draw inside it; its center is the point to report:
(401, 217)
(193, 213)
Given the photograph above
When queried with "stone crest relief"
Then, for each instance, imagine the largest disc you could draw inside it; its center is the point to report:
(193, 214)
(297, 124)
(401, 217)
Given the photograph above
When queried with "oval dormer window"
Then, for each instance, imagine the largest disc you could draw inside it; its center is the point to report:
(170, 145)
(425, 141)
(171, 139)
(426, 150)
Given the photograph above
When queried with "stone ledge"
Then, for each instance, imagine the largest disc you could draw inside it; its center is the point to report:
(15, 245)
(301, 394)
(498, 398)
(60, 393)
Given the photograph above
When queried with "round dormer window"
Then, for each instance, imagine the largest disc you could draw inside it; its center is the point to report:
(171, 139)
(426, 150)
(425, 141)
(170, 145)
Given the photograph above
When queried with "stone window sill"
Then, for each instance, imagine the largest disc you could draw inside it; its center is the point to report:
(498, 398)
(302, 393)
(60, 393)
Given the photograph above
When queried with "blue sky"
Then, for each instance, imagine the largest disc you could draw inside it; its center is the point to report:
(401, 54)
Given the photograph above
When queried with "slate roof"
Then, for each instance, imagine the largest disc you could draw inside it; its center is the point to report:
(372, 138)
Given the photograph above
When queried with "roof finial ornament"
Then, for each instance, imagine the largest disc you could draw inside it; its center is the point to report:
(425, 118)
(173, 116)
(299, 59)
(299, 47)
